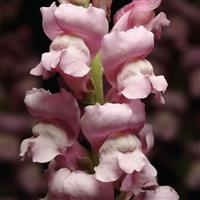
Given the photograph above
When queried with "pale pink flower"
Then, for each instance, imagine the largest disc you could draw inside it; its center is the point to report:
(100, 121)
(90, 23)
(76, 37)
(47, 142)
(162, 192)
(120, 153)
(137, 80)
(70, 57)
(125, 67)
(50, 142)
(140, 12)
(119, 48)
(78, 185)
(60, 109)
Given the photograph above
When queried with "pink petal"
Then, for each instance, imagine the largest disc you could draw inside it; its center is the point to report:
(159, 83)
(99, 121)
(137, 5)
(159, 98)
(133, 80)
(123, 11)
(131, 162)
(49, 23)
(137, 80)
(135, 14)
(147, 5)
(122, 24)
(79, 186)
(133, 44)
(111, 153)
(119, 154)
(77, 84)
(138, 181)
(108, 169)
(37, 71)
(50, 60)
(88, 23)
(157, 23)
(60, 109)
(137, 87)
(105, 5)
(162, 192)
(72, 157)
(138, 18)
(140, 13)
(48, 142)
(73, 63)
(146, 137)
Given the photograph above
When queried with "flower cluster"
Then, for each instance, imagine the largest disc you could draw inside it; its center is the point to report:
(97, 144)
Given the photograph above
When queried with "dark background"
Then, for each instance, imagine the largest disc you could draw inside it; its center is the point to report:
(176, 154)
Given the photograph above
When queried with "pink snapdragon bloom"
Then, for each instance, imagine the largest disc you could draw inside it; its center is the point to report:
(76, 37)
(50, 142)
(126, 69)
(162, 192)
(78, 185)
(47, 142)
(120, 153)
(111, 129)
(70, 57)
(133, 44)
(60, 116)
(137, 80)
(140, 12)
(90, 24)
(60, 109)
(100, 121)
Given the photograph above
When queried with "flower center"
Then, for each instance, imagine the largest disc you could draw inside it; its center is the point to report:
(120, 142)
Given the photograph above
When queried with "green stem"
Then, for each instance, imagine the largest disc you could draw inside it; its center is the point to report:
(86, 3)
(97, 78)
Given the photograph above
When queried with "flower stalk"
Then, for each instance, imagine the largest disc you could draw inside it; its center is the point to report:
(96, 74)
